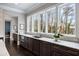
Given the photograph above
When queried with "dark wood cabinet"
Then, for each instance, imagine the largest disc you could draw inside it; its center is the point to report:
(28, 43)
(52, 53)
(22, 40)
(44, 48)
(15, 37)
(36, 46)
(58, 50)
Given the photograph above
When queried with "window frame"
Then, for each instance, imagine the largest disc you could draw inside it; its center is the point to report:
(70, 35)
(57, 17)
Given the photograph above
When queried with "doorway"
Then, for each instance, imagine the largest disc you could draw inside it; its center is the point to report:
(7, 29)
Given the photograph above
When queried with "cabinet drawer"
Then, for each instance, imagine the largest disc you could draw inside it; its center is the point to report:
(65, 50)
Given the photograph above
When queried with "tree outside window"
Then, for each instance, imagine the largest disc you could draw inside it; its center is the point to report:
(67, 19)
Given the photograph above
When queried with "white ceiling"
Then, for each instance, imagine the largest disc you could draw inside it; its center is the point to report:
(21, 7)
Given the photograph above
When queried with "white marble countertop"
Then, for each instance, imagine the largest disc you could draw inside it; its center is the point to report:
(16, 33)
(3, 49)
(59, 42)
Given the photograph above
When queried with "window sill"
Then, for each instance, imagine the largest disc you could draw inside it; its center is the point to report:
(68, 35)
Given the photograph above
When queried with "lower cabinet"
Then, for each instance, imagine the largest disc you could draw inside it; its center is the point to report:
(52, 53)
(26, 40)
(15, 37)
(36, 47)
(22, 40)
(28, 43)
(58, 50)
(44, 48)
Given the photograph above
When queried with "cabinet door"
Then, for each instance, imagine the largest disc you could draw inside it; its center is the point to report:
(21, 40)
(64, 51)
(30, 44)
(20, 37)
(26, 41)
(44, 48)
(52, 53)
(36, 47)
(15, 37)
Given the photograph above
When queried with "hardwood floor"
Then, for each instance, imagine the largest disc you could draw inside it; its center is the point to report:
(15, 50)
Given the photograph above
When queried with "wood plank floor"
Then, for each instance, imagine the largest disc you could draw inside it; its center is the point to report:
(15, 50)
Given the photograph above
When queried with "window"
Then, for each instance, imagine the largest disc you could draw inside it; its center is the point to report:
(29, 24)
(51, 18)
(42, 22)
(60, 19)
(35, 23)
(66, 21)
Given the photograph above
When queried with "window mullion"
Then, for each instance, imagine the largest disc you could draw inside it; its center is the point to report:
(46, 23)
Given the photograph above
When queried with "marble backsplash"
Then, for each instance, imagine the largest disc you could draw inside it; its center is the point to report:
(66, 38)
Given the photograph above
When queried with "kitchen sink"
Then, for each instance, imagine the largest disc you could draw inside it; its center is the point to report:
(37, 36)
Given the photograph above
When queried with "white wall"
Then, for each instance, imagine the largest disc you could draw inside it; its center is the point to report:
(21, 20)
(6, 16)
(2, 24)
(13, 22)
